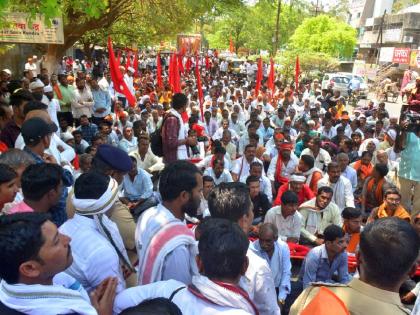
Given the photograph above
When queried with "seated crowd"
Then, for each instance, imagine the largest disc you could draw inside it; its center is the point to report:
(257, 202)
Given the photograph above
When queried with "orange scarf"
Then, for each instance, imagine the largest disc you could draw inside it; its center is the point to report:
(280, 179)
(365, 170)
(353, 242)
(58, 92)
(400, 212)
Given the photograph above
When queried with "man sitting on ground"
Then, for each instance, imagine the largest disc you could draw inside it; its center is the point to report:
(222, 261)
(259, 199)
(296, 184)
(317, 214)
(231, 201)
(286, 218)
(277, 254)
(352, 224)
(390, 207)
(324, 261)
(34, 256)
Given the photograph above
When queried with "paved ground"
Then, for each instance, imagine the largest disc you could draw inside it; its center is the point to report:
(393, 109)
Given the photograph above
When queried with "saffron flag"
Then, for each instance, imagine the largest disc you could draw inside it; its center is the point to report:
(159, 72)
(270, 82)
(231, 47)
(259, 77)
(117, 78)
(297, 73)
(188, 65)
(119, 58)
(136, 65)
(171, 71)
(199, 87)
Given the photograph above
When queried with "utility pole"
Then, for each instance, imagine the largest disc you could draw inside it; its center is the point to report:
(316, 8)
(276, 39)
(379, 39)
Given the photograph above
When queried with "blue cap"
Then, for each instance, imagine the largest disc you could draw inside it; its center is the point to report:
(116, 158)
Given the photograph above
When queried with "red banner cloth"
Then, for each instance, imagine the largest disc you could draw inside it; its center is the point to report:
(270, 82)
(259, 77)
(199, 88)
(297, 73)
(117, 78)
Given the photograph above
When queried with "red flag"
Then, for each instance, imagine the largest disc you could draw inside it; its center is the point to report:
(119, 58)
(188, 65)
(259, 77)
(176, 76)
(117, 78)
(199, 87)
(207, 62)
(171, 71)
(270, 82)
(231, 47)
(159, 71)
(297, 73)
(180, 63)
(128, 60)
(136, 65)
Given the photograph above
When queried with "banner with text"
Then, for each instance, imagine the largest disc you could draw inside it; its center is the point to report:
(401, 55)
(20, 29)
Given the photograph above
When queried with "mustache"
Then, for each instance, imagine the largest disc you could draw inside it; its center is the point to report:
(69, 252)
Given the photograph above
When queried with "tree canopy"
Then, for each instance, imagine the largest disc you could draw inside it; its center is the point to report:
(324, 34)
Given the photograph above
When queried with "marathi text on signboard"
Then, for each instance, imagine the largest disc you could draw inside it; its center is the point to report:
(22, 30)
(401, 55)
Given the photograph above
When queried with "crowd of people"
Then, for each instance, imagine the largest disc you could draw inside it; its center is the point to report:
(246, 201)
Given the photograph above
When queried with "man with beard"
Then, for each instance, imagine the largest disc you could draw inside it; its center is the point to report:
(35, 254)
(165, 246)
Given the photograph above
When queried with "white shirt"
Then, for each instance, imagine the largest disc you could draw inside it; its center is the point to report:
(340, 189)
(280, 265)
(225, 177)
(84, 103)
(260, 284)
(94, 258)
(241, 166)
(288, 227)
(31, 67)
(219, 134)
(176, 264)
(265, 186)
(206, 162)
(184, 299)
(322, 159)
(286, 170)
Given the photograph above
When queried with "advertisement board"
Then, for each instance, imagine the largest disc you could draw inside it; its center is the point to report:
(401, 55)
(21, 29)
(189, 44)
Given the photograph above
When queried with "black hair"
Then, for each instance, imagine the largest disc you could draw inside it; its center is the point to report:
(392, 191)
(17, 98)
(364, 153)
(254, 136)
(207, 178)
(39, 179)
(177, 177)
(219, 149)
(308, 160)
(179, 100)
(91, 185)
(249, 146)
(217, 161)
(289, 197)
(252, 179)
(76, 132)
(20, 240)
(332, 165)
(255, 163)
(382, 169)
(332, 232)
(156, 306)
(388, 246)
(351, 213)
(222, 249)
(33, 105)
(325, 189)
(6, 173)
(229, 201)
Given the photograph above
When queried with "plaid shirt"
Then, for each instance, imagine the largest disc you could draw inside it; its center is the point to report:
(88, 132)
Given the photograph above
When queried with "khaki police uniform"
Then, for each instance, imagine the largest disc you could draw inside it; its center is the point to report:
(359, 297)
